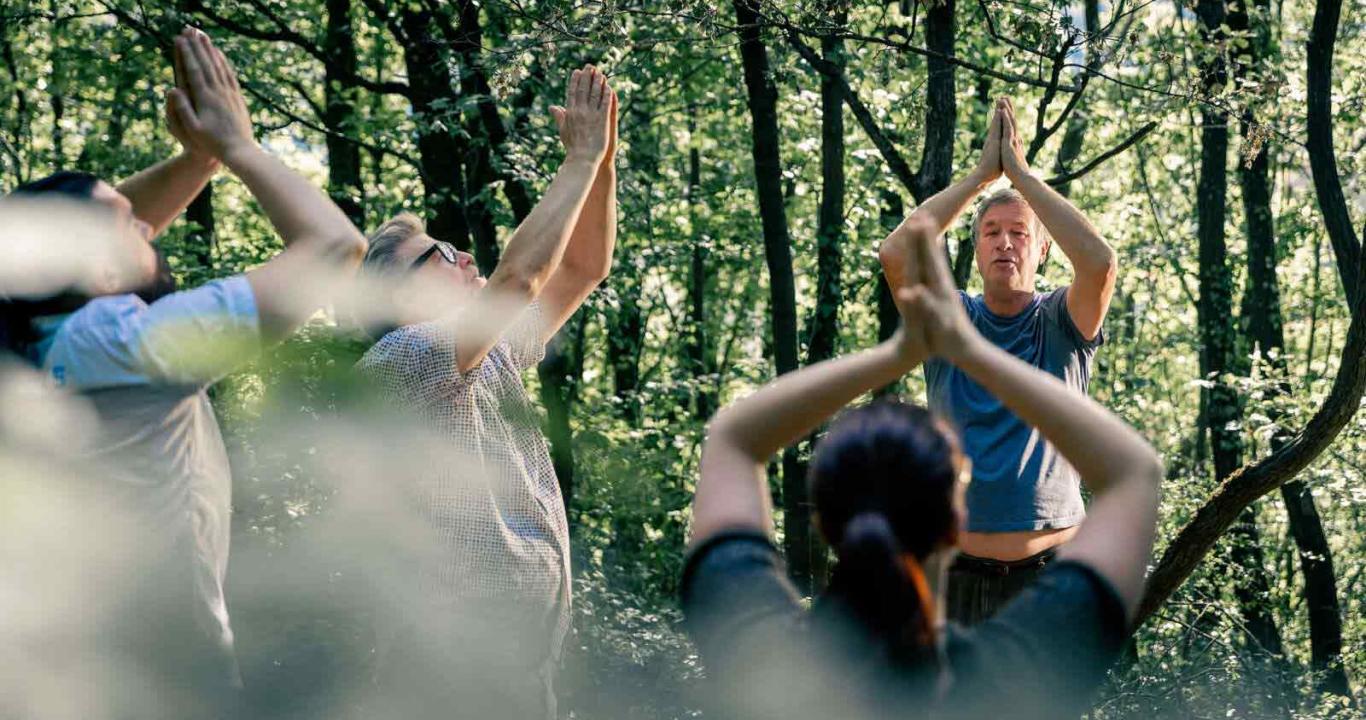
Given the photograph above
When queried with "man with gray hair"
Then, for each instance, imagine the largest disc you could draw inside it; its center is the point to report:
(1024, 499)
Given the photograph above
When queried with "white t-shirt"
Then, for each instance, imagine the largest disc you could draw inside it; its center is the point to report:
(145, 369)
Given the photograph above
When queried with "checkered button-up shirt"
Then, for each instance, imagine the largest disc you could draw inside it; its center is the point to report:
(498, 514)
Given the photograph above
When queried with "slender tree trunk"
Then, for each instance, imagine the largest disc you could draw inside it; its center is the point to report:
(560, 373)
(203, 240)
(56, 89)
(439, 147)
(701, 353)
(941, 110)
(1220, 353)
(824, 326)
(467, 40)
(1319, 142)
(339, 112)
(888, 319)
(763, 107)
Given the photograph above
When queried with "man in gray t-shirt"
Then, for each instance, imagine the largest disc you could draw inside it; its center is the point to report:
(1024, 499)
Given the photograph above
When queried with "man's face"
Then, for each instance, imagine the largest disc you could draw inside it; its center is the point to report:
(1008, 251)
(129, 227)
(444, 279)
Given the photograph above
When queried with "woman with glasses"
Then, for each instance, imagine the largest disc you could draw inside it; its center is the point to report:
(887, 485)
(451, 347)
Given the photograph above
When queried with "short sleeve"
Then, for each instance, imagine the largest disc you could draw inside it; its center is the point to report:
(523, 338)
(734, 589)
(416, 362)
(1047, 651)
(192, 337)
(1054, 309)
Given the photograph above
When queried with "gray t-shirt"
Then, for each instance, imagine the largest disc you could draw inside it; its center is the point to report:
(1019, 482)
(145, 368)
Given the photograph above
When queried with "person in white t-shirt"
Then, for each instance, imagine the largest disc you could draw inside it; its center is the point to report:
(144, 355)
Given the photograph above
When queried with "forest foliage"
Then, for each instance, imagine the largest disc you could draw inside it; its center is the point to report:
(1200, 139)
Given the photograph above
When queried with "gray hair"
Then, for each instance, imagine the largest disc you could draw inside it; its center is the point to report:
(385, 241)
(1005, 196)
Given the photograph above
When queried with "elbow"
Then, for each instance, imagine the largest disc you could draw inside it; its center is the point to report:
(515, 282)
(347, 248)
(592, 274)
(891, 255)
(1105, 264)
(1148, 468)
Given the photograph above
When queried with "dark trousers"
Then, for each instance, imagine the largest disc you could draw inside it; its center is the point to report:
(979, 587)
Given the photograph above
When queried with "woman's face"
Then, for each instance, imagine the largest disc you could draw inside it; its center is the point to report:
(136, 234)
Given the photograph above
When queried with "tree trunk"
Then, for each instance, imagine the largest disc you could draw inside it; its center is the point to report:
(1262, 317)
(560, 373)
(202, 240)
(941, 110)
(763, 107)
(468, 43)
(701, 353)
(1319, 143)
(439, 145)
(824, 326)
(1219, 348)
(343, 155)
(888, 318)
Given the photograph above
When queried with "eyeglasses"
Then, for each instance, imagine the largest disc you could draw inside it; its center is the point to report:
(447, 250)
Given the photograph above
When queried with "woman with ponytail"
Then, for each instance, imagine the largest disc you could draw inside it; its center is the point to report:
(887, 484)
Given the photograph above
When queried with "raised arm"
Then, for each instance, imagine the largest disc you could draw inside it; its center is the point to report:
(161, 192)
(732, 493)
(588, 257)
(536, 248)
(945, 206)
(1094, 263)
(1115, 462)
(322, 247)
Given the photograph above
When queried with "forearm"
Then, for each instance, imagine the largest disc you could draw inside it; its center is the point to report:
(538, 244)
(1096, 443)
(299, 211)
(940, 211)
(161, 192)
(1086, 250)
(594, 239)
(789, 408)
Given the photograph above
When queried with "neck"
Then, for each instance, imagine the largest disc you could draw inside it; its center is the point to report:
(1006, 301)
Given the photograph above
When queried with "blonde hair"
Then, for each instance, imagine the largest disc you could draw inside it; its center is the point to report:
(386, 240)
(381, 260)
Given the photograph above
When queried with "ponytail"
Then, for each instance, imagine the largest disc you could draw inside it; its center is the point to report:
(886, 590)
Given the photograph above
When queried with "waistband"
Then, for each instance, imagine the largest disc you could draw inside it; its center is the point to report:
(988, 566)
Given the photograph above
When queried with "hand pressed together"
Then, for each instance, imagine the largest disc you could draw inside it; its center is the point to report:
(1013, 162)
(932, 315)
(206, 111)
(587, 120)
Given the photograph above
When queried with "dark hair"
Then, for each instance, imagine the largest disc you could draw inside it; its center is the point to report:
(17, 314)
(882, 481)
(76, 185)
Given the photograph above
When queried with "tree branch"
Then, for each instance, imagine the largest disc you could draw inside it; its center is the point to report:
(898, 165)
(294, 117)
(1101, 158)
(1322, 158)
(1245, 486)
